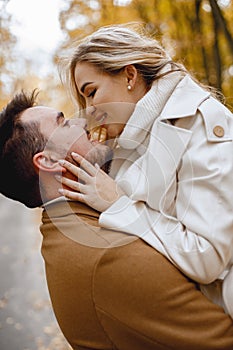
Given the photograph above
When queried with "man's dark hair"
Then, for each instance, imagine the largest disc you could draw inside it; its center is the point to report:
(19, 142)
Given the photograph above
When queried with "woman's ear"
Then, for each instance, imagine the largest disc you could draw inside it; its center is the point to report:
(131, 75)
(45, 162)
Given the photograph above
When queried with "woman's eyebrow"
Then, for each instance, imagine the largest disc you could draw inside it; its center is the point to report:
(84, 86)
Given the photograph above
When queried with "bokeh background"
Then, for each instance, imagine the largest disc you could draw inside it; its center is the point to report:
(33, 36)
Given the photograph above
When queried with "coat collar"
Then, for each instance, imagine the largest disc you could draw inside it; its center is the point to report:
(147, 110)
(185, 100)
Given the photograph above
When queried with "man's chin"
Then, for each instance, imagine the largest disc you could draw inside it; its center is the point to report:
(102, 155)
(107, 166)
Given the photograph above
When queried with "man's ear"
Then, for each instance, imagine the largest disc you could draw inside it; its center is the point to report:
(131, 74)
(45, 162)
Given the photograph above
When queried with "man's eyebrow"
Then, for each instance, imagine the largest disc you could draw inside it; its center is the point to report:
(84, 86)
(59, 118)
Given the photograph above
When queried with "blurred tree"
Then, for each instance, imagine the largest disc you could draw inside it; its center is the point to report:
(19, 72)
(81, 17)
(195, 32)
(7, 43)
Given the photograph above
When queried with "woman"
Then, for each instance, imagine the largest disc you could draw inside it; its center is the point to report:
(173, 164)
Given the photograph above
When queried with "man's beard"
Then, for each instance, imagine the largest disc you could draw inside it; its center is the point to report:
(102, 155)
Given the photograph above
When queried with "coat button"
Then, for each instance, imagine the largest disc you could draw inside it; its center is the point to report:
(218, 131)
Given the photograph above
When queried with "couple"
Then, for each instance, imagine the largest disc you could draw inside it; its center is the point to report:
(111, 290)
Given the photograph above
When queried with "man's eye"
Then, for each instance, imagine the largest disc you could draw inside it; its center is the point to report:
(66, 123)
(92, 94)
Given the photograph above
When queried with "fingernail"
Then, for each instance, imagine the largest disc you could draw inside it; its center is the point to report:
(97, 166)
(61, 191)
(57, 177)
(75, 154)
(61, 161)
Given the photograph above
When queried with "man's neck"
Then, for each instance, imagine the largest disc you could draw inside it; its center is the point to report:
(54, 200)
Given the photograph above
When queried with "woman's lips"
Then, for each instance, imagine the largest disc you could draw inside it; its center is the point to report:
(98, 134)
(101, 118)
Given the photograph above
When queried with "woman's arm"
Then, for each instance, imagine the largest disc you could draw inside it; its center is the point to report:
(198, 238)
(199, 257)
(197, 235)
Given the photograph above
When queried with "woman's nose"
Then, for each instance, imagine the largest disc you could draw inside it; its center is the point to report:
(90, 110)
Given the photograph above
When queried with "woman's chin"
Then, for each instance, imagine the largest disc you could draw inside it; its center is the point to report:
(114, 130)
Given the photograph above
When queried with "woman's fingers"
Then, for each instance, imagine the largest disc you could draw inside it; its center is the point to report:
(74, 185)
(93, 186)
(87, 169)
(87, 166)
(72, 195)
(69, 166)
(81, 174)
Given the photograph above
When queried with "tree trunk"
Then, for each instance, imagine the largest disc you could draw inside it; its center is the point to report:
(198, 4)
(218, 15)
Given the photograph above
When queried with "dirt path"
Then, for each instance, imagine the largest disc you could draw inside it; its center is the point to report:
(26, 319)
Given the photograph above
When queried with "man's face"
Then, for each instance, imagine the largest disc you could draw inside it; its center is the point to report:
(66, 135)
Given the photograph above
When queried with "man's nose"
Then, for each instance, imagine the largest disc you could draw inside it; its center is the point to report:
(82, 122)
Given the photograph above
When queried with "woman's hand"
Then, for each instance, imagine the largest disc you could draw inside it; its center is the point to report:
(94, 187)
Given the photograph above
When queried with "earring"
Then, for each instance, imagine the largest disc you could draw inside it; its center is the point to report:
(129, 87)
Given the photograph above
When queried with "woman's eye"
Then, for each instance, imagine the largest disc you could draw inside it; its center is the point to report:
(92, 93)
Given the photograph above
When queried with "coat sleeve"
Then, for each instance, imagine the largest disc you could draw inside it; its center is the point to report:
(197, 234)
(143, 302)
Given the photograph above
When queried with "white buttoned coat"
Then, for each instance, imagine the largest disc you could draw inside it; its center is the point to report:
(177, 173)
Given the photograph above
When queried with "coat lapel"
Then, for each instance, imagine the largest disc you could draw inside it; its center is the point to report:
(185, 100)
(168, 143)
(167, 146)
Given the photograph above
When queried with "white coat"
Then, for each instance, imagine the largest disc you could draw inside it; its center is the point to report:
(177, 173)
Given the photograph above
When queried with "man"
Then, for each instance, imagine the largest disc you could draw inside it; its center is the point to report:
(108, 290)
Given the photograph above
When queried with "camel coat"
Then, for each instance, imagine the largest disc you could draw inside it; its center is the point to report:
(112, 291)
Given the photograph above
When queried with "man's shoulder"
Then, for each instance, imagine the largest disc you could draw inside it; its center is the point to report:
(79, 223)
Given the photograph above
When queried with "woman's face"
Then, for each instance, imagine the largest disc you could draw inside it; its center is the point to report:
(108, 101)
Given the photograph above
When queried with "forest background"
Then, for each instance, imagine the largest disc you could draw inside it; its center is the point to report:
(198, 33)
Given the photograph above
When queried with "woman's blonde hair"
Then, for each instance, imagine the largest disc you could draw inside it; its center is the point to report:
(112, 48)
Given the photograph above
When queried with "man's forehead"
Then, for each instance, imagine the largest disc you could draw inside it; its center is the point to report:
(38, 112)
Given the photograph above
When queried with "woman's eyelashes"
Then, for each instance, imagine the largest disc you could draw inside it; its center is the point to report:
(92, 93)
